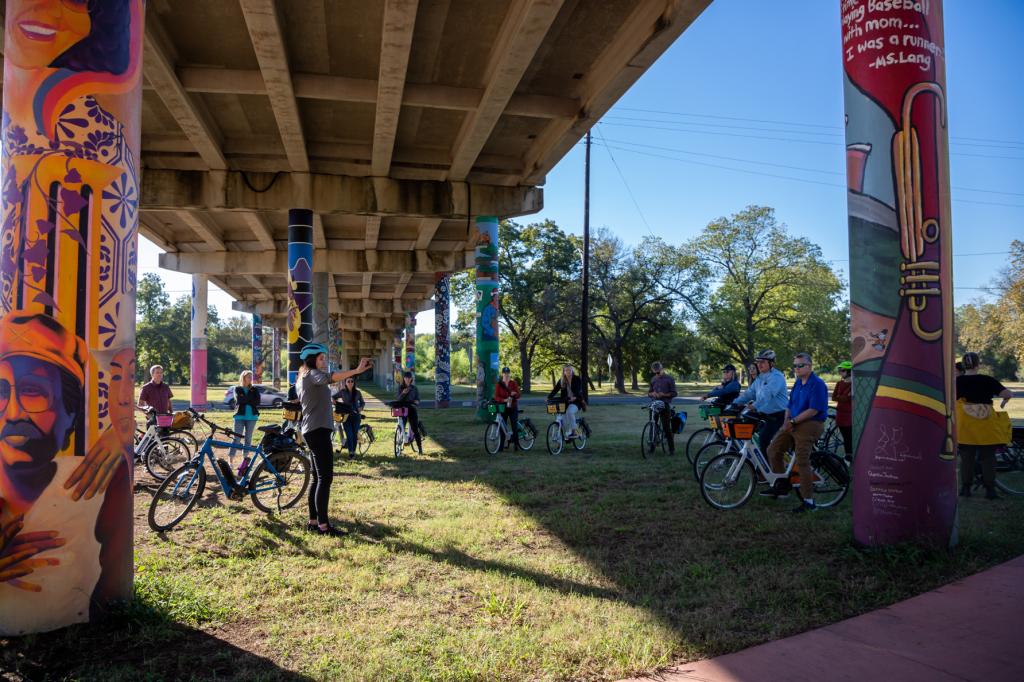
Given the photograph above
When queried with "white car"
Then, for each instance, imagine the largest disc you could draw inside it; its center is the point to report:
(269, 397)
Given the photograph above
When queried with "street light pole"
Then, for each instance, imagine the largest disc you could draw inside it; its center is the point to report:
(585, 313)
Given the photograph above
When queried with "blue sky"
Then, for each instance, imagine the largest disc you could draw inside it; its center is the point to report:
(746, 108)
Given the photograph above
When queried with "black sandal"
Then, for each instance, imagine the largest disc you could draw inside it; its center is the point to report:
(332, 531)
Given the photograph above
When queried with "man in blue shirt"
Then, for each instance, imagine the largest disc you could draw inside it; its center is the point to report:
(767, 395)
(801, 429)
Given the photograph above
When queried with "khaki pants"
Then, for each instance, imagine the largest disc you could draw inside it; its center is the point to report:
(801, 438)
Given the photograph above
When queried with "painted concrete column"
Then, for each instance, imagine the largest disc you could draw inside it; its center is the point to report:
(275, 360)
(396, 357)
(67, 310)
(257, 349)
(442, 341)
(410, 342)
(904, 486)
(197, 363)
(300, 290)
(321, 318)
(487, 300)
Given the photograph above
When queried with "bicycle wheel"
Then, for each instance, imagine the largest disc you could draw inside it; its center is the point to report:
(399, 438)
(164, 456)
(831, 478)
(1010, 469)
(527, 434)
(727, 482)
(705, 455)
(364, 439)
(580, 441)
(186, 436)
(290, 480)
(492, 438)
(699, 439)
(647, 440)
(831, 440)
(176, 496)
(554, 439)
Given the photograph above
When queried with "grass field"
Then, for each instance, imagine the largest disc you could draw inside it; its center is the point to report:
(462, 566)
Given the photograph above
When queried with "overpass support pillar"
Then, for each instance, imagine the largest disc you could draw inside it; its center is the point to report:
(410, 342)
(487, 301)
(904, 481)
(300, 286)
(442, 343)
(257, 349)
(321, 320)
(197, 364)
(275, 360)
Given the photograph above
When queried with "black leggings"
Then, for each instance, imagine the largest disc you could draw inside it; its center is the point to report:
(847, 432)
(319, 442)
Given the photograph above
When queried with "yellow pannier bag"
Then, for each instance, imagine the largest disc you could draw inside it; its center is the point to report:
(981, 424)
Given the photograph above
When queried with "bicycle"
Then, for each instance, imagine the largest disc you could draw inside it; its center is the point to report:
(556, 436)
(159, 453)
(737, 472)
(498, 430)
(278, 475)
(1009, 466)
(704, 436)
(831, 438)
(403, 429)
(653, 435)
(364, 435)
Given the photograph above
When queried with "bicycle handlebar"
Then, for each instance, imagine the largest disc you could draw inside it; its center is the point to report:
(214, 428)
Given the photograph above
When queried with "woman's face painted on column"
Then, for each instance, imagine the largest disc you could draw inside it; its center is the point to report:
(44, 29)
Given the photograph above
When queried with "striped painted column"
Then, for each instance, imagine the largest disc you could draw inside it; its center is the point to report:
(300, 286)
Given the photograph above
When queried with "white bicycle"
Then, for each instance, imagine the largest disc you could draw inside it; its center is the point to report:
(557, 436)
(160, 454)
(498, 431)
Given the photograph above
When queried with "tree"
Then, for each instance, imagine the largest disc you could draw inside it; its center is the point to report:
(627, 301)
(750, 285)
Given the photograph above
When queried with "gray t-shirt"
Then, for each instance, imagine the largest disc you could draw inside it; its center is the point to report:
(314, 391)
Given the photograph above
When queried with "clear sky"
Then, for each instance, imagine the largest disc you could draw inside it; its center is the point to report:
(746, 108)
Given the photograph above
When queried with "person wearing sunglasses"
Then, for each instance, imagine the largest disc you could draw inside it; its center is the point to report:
(801, 428)
(352, 399)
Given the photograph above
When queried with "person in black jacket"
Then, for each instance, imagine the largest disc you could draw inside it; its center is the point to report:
(569, 391)
(352, 403)
(409, 396)
(247, 399)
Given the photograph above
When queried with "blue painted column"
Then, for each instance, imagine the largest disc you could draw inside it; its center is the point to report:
(442, 341)
(300, 286)
(487, 301)
(410, 342)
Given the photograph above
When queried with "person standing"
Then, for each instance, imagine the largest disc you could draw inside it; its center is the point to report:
(247, 411)
(313, 390)
(408, 396)
(804, 421)
(507, 391)
(352, 398)
(663, 388)
(569, 391)
(155, 397)
(767, 395)
(979, 431)
(842, 394)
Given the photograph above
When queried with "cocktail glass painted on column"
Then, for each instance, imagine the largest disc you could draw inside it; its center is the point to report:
(67, 302)
(901, 296)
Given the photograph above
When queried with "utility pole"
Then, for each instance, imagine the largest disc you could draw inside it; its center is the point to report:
(585, 313)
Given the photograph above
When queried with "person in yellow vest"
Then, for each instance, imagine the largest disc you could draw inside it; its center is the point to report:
(980, 429)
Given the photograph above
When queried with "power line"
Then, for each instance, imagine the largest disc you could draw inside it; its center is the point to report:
(624, 182)
(727, 118)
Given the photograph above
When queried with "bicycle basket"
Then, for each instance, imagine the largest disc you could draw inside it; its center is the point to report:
(182, 420)
(555, 408)
(707, 411)
(164, 421)
(399, 411)
(495, 408)
(738, 428)
(292, 411)
(340, 417)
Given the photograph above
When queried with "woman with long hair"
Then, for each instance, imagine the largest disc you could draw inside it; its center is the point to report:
(569, 390)
(352, 399)
(247, 402)
(408, 396)
(313, 389)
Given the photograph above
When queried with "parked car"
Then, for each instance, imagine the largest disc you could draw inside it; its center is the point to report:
(269, 397)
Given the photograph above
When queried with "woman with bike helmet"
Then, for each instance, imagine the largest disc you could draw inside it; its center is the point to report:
(314, 393)
(842, 394)
(980, 430)
(408, 396)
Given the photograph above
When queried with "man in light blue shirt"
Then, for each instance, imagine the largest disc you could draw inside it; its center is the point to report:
(768, 395)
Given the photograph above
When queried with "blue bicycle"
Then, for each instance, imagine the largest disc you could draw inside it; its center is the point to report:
(276, 478)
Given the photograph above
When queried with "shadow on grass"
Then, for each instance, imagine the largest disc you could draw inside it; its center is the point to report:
(141, 640)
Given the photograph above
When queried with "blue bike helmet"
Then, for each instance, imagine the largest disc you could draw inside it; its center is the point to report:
(311, 350)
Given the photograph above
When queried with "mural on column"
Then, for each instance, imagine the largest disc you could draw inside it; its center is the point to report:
(442, 342)
(398, 358)
(300, 287)
(487, 301)
(275, 358)
(335, 350)
(67, 301)
(410, 342)
(900, 282)
(257, 349)
(197, 360)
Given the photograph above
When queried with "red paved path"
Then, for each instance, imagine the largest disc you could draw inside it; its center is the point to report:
(969, 630)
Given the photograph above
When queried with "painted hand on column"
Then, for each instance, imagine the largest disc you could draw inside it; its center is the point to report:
(18, 552)
(93, 475)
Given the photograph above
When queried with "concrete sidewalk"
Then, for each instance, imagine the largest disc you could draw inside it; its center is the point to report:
(967, 630)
